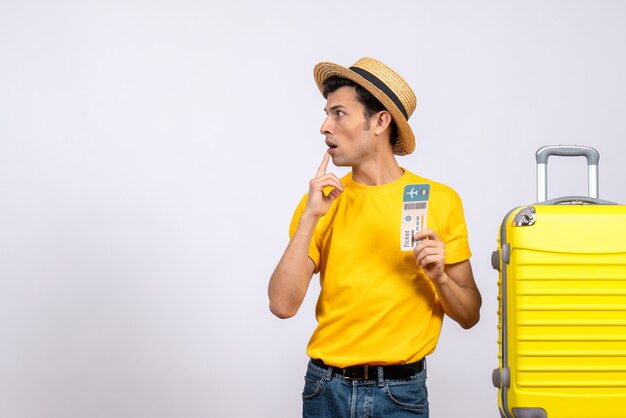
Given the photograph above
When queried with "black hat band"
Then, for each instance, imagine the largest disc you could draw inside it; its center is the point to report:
(382, 86)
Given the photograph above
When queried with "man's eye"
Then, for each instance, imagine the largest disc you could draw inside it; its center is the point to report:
(340, 114)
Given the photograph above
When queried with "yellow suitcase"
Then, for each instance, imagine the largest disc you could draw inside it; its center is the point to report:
(562, 303)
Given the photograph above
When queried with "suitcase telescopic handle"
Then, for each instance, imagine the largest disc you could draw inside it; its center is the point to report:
(593, 158)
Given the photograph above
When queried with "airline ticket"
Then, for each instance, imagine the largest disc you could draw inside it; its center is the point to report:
(414, 213)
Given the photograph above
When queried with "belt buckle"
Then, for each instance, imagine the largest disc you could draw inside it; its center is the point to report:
(364, 377)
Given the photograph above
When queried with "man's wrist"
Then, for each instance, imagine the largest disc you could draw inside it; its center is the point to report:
(310, 217)
(442, 279)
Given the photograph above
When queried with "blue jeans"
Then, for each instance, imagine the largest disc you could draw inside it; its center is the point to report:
(331, 396)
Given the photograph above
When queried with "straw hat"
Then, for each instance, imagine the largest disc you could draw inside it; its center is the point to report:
(386, 85)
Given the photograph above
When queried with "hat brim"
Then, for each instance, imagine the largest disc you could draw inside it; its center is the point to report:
(405, 143)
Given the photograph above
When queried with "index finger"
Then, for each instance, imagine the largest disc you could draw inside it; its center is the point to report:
(322, 169)
(426, 233)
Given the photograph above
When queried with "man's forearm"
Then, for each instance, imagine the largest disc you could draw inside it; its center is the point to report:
(458, 294)
(290, 280)
(460, 303)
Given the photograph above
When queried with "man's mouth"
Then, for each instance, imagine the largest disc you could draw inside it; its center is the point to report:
(330, 144)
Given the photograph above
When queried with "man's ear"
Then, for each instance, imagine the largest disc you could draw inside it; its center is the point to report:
(382, 122)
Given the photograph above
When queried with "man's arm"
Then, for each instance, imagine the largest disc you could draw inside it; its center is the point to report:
(290, 280)
(455, 285)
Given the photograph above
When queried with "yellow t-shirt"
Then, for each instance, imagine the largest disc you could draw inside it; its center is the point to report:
(376, 306)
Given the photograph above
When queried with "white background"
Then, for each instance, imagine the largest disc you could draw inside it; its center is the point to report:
(152, 153)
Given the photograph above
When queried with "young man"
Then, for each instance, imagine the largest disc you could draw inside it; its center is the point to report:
(384, 289)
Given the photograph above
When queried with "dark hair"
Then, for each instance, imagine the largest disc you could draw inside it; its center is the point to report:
(372, 104)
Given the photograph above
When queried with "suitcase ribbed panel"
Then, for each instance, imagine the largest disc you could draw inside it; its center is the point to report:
(566, 312)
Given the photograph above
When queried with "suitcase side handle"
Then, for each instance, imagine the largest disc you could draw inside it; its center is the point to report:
(542, 155)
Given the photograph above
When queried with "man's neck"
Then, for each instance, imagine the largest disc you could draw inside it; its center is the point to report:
(376, 173)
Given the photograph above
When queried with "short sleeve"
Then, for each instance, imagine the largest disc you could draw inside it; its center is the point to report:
(455, 239)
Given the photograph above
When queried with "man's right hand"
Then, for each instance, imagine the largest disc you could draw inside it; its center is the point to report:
(318, 203)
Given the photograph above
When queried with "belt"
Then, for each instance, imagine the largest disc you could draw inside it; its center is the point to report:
(366, 372)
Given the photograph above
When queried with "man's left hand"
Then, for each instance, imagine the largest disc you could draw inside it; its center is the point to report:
(430, 254)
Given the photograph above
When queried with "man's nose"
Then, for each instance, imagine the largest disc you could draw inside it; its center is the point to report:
(326, 127)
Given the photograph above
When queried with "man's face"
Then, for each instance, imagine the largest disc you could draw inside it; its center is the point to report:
(346, 128)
